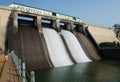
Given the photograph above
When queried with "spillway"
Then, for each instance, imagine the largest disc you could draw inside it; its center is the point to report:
(87, 44)
(57, 52)
(75, 48)
(29, 47)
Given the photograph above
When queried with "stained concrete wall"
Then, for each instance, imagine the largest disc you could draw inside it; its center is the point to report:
(111, 53)
(4, 16)
(101, 34)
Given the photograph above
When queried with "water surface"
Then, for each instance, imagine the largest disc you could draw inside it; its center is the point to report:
(97, 71)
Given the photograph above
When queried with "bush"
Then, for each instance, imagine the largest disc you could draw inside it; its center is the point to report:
(110, 44)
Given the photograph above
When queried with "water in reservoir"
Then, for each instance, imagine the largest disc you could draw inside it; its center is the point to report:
(75, 48)
(97, 71)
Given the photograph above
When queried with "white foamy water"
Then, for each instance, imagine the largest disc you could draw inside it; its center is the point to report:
(58, 54)
(75, 48)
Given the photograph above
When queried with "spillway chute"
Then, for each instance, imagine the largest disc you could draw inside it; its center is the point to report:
(88, 45)
(28, 46)
(57, 52)
(74, 46)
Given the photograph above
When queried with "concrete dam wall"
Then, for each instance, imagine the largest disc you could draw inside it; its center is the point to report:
(101, 34)
(28, 46)
(45, 40)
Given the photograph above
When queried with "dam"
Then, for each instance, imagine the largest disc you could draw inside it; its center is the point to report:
(46, 40)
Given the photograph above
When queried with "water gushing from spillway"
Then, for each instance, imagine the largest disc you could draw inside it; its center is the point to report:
(57, 52)
(75, 48)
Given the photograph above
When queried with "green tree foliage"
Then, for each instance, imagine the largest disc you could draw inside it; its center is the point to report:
(117, 30)
(110, 45)
(117, 26)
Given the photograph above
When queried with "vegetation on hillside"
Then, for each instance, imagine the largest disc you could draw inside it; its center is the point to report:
(117, 30)
(110, 45)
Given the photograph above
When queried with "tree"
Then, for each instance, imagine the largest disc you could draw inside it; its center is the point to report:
(117, 30)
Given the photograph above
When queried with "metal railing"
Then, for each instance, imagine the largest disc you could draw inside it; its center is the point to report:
(22, 68)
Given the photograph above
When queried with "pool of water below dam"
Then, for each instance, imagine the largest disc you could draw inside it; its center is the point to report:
(97, 71)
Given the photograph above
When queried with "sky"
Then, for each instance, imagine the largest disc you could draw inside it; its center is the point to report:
(99, 12)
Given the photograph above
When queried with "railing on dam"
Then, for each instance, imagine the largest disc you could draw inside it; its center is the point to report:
(22, 69)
